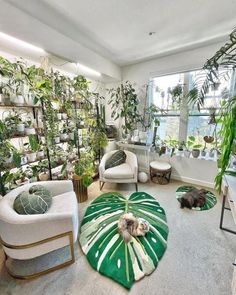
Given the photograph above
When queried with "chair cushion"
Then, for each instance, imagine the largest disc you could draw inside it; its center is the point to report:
(119, 172)
(64, 203)
(37, 201)
(116, 159)
(160, 165)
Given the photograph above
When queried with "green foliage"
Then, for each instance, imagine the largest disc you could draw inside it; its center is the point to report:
(34, 143)
(228, 134)
(124, 104)
(85, 169)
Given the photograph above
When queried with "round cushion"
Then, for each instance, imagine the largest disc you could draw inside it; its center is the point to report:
(142, 177)
(160, 165)
(37, 201)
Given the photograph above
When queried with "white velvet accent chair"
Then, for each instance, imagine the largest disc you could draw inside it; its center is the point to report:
(124, 173)
(28, 236)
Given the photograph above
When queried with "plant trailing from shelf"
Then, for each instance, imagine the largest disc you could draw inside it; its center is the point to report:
(124, 104)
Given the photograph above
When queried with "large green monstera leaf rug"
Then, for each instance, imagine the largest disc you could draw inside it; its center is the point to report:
(210, 197)
(105, 249)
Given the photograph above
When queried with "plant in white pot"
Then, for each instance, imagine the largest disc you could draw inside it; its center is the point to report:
(191, 146)
(43, 172)
(32, 148)
(64, 133)
(29, 127)
(40, 152)
(21, 177)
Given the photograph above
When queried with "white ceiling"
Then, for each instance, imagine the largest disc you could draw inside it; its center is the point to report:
(117, 31)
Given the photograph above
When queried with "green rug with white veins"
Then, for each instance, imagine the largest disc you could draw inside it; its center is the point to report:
(210, 197)
(104, 247)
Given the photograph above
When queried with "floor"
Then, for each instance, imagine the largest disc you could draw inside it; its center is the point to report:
(198, 259)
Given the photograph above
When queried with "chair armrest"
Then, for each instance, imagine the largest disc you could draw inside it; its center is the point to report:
(131, 159)
(56, 187)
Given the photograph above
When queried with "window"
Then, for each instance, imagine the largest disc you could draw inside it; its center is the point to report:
(177, 119)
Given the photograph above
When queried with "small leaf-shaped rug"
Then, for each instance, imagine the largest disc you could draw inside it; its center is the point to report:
(210, 197)
(104, 247)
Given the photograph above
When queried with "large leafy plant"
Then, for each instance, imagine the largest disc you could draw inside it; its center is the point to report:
(124, 103)
(84, 168)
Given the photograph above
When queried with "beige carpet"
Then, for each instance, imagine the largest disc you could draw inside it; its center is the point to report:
(198, 259)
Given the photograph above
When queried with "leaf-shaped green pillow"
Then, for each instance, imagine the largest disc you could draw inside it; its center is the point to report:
(37, 201)
(116, 159)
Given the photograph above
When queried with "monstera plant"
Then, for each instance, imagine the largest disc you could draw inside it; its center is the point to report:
(104, 247)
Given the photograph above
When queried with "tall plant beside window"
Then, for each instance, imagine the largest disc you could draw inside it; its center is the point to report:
(124, 103)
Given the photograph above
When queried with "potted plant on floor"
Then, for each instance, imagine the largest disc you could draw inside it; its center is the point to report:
(82, 178)
(124, 104)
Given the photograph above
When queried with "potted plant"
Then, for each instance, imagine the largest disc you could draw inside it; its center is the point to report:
(32, 148)
(82, 178)
(43, 173)
(124, 104)
(64, 134)
(29, 127)
(40, 152)
(21, 177)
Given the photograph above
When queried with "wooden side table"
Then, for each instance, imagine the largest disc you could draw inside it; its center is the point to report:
(160, 172)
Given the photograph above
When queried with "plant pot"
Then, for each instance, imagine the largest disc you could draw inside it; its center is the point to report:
(195, 153)
(59, 116)
(24, 160)
(64, 137)
(29, 131)
(57, 139)
(40, 154)
(64, 116)
(187, 154)
(31, 157)
(71, 136)
(80, 190)
(203, 153)
(43, 176)
(20, 128)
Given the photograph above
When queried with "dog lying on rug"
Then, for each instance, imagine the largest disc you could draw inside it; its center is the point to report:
(129, 226)
(193, 198)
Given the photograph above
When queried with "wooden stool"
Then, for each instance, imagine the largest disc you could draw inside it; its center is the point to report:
(160, 172)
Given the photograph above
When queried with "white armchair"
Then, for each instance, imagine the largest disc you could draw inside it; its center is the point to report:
(28, 236)
(124, 173)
